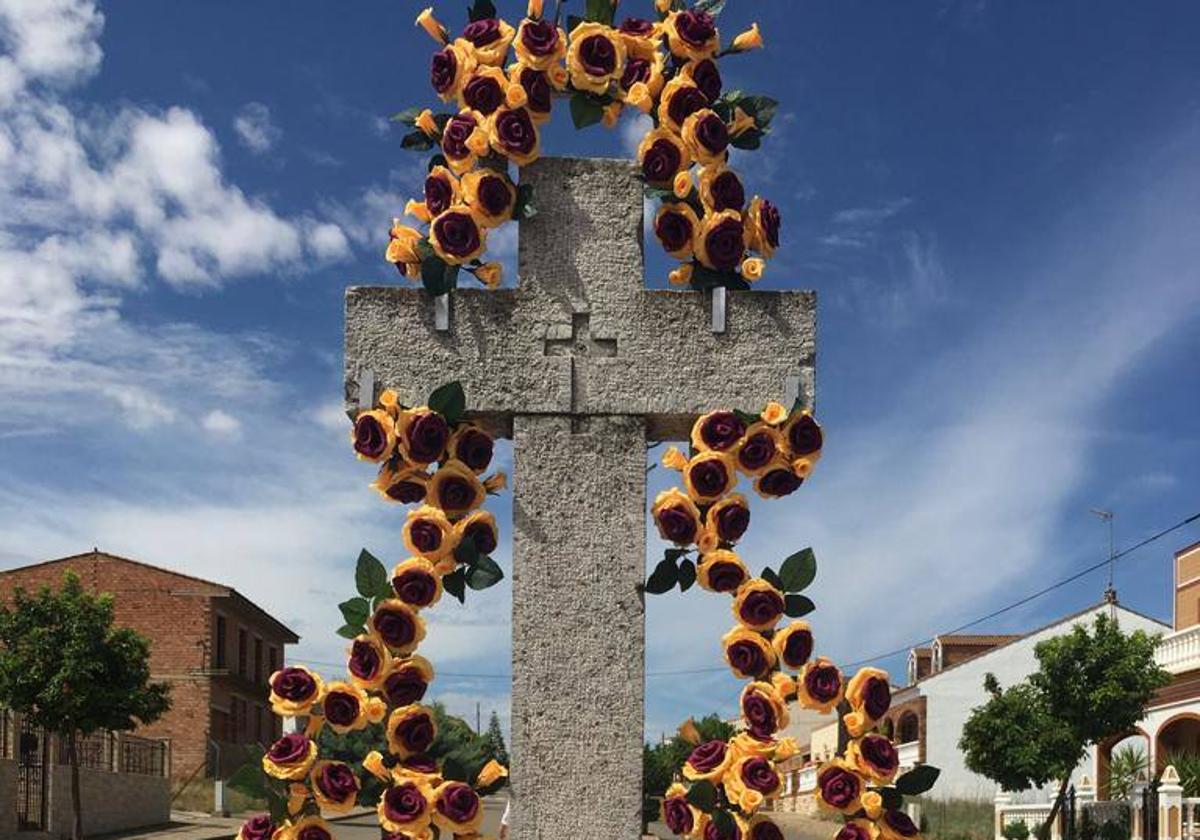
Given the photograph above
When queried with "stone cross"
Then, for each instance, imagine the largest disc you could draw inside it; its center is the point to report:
(582, 365)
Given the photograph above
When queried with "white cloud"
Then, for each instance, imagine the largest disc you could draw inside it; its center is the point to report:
(633, 129)
(255, 128)
(221, 423)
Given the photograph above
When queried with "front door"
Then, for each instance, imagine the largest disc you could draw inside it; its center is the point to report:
(32, 755)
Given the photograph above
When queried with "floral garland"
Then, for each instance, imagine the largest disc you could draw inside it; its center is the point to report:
(726, 783)
(432, 458)
(667, 69)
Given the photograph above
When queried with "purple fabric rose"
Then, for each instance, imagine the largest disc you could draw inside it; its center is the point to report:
(415, 732)
(341, 708)
(823, 682)
(686, 101)
(728, 192)
(712, 133)
(482, 32)
(540, 37)
(708, 756)
(880, 753)
(759, 775)
(404, 803)
(484, 94)
(724, 576)
(760, 715)
(661, 161)
(721, 430)
(763, 606)
(370, 437)
(707, 77)
(677, 525)
(839, 787)
(710, 477)
(415, 587)
(426, 535)
(678, 815)
(597, 55)
(337, 781)
(454, 138)
(798, 648)
(638, 27)
(456, 493)
(420, 764)
(516, 132)
(901, 823)
(290, 749)
(674, 230)
(636, 70)
(805, 436)
(459, 237)
(877, 696)
(711, 832)
(473, 447)
(748, 658)
(395, 627)
(725, 244)
(405, 686)
(365, 661)
(427, 433)
(766, 830)
(852, 831)
(438, 195)
(495, 197)
(443, 70)
(258, 827)
(780, 482)
(294, 684)
(313, 832)
(732, 521)
(483, 535)
(537, 90)
(458, 802)
(768, 218)
(757, 451)
(406, 491)
(695, 28)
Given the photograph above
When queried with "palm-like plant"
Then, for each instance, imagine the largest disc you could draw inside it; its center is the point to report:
(1187, 765)
(1127, 761)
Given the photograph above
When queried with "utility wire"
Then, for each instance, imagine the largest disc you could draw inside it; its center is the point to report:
(995, 613)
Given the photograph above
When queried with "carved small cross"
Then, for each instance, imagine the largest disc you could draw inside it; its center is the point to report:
(581, 364)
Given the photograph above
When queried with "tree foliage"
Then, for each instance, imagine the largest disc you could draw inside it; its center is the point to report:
(496, 748)
(662, 761)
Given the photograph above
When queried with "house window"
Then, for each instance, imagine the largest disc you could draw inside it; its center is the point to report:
(258, 662)
(219, 652)
(272, 659)
(241, 651)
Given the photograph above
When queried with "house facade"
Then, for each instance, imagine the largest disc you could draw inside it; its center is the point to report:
(214, 647)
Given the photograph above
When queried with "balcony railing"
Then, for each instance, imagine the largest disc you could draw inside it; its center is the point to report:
(1179, 652)
(909, 754)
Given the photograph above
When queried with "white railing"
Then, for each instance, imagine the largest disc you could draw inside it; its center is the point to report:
(806, 779)
(1032, 815)
(1179, 652)
(1190, 824)
(909, 754)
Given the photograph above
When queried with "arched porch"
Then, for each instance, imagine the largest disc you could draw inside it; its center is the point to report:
(1179, 734)
(1126, 748)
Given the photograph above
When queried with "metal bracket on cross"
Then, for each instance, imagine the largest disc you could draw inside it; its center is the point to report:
(719, 303)
(441, 313)
(366, 393)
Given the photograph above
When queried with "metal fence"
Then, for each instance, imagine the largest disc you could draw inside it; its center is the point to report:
(143, 756)
(118, 753)
(6, 732)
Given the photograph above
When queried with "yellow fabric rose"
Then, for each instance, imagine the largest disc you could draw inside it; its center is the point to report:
(781, 640)
(653, 137)
(399, 485)
(464, 66)
(839, 787)
(714, 774)
(558, 76)
(682, 48)
(856, 696)
(785, 685)
(418, 211)
(673, 459)
(708, 540)
(330, 806)
(752, 269)
(680, 505)
(426, 123)
(432, 527)
(786, 748)
(464, 215)
(370, 709)
(612, 113)
(689, 131)
(735, 786)
(768, 693)
(774, 413)
(375, 681)
(758, 591)
(756, 237)
(639, 96)
(802, 417)
(689, 733)
(414, 825)
(745, 744)
(740, 826)
(442, 816)
(382, 620)
(642, 46)
(869, 829)
(402, 244)
(293, 770)
(410, 730)
(708, 176)
(681, 276)
(741, 636)
(535, 9)
(456, 489)
(756, 436)
(711, 221)
(539, 62)
(373, 764)
(680, 208)
(491, 773)
(296, 708)
(592, 77)
(683, 185)
(872, 803)
(469, 186)
(490, 274)
(710, 560)
(430, 24)
(709, 476)
(748, 40)
(495, 139)
(495, 52)
(742, 122)
(805, 695)
(419, 566)
(678, 86)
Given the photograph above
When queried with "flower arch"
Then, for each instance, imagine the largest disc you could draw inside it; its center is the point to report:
(434, 460)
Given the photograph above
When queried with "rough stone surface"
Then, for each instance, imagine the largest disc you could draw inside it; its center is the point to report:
(582, 363)
(578, 628)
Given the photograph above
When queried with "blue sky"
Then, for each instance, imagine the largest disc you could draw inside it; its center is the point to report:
(999, 205)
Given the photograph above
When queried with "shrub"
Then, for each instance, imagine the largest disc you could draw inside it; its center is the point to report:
(1016, 831)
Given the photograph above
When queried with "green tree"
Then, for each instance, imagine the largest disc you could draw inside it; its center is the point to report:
(65, 667)
(495, 740)
(661, 762)
(1127, 761)
(1088, 687)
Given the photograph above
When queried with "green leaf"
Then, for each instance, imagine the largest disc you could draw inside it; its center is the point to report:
(600, 11)
(746, 417)
(703, 795)
(663, 578)
(408, 116)
(749, 139)
(523, 207)
(371, 791)
(417, 141)
(687, 575)
(675, 553)
(798, 571)
(349, 631)
(713, 7)
(434, 272)
(455, 584)
(277, 805)
(355, 611)
(892, 800)
(466, 553)
(798, 606)
(453, 770)
(572, 22)
(704, 277)
(484, 574)
(585, 110)
(450, 401)
(481, 10)
(726, 829)
(762, 108)
(770, 577)
(438, 160)
(918, 780)
(370, 576)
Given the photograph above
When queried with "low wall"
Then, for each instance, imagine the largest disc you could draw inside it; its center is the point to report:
(110, 801)
(8, 798)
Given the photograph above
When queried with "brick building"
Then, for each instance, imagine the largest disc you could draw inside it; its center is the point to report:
(214, 646)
